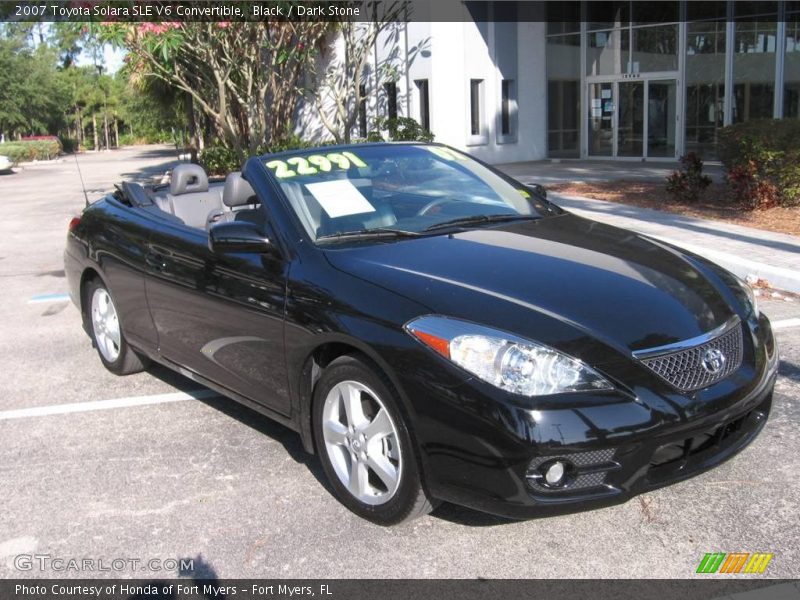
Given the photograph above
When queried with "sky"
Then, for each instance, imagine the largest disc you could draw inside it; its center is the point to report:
(112, 59)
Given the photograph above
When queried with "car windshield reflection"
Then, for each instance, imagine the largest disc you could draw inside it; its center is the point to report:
(390, 191)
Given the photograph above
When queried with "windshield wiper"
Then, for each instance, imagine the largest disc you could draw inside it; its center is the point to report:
(480, 220)
(377, 232)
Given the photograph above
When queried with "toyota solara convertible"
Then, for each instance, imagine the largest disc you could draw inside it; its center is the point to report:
(433, 329)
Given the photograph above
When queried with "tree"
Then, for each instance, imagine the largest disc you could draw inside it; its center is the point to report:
(150, 108)
(32, 90)
(42, 90)
(339, 83)
(245, 77)
(12, 78)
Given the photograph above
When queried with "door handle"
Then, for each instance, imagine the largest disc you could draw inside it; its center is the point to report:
(155, 261)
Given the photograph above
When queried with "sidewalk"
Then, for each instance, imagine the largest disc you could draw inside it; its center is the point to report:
(548, 172)
(745, 251)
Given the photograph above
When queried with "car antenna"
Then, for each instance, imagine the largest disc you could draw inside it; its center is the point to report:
(83, 185)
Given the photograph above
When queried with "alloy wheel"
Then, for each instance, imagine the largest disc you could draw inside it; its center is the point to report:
(105, 325)
(361, 441)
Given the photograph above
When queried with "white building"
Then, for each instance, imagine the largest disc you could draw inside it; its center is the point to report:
(625, 80)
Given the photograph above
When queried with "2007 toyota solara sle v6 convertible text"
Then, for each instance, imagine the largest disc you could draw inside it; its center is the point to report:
(433, 329)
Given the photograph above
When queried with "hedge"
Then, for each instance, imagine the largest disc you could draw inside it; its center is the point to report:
(762, 160)
(31, 150)
(220, 160)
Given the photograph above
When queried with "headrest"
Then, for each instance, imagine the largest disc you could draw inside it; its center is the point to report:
(237, 192)
(187, 179)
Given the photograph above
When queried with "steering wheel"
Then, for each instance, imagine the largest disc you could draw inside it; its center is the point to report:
(431, 205)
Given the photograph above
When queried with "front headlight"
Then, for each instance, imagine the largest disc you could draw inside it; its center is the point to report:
(511, 363)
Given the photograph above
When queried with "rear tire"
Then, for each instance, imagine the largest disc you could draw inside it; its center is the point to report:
(365, 445)
(106, 331)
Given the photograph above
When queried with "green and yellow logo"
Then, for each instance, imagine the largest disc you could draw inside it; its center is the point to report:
(734, 562)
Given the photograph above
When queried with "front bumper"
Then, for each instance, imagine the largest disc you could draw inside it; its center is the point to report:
(486, 453)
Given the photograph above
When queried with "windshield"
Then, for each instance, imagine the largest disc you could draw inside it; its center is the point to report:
(395, 189)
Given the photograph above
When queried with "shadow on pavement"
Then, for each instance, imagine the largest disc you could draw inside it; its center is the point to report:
(202, 575)
(290, 440)
(160, 151)
(150, 174)
(789, 370)
(461, 515)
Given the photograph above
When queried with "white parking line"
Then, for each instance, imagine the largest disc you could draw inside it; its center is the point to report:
(786, 323)
(75, 407)
(49, 298)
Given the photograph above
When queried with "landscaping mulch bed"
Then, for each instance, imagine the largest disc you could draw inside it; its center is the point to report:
(651, 194)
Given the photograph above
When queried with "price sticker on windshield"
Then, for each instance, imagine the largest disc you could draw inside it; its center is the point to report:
(313, 164)
(340, 198)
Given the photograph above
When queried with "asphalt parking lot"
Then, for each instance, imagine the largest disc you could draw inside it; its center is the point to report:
(211, 481)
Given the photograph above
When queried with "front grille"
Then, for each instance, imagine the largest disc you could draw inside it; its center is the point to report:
(679, 455)
(684, 370)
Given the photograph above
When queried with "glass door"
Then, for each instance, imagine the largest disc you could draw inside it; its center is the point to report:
(630, 129)
(661, 117)
(601, 119)
(633, 118)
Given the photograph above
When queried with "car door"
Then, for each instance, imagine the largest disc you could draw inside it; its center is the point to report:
(220, 315)
(119, 246)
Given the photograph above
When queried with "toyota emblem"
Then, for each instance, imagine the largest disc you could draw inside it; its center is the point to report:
(713, 360)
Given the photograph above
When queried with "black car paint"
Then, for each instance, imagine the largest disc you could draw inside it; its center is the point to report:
(593, 291)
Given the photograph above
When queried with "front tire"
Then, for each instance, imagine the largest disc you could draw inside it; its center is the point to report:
(106, 332)
(364, 444)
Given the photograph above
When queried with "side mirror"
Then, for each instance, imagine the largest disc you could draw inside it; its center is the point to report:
(537, 189)
(237, 237)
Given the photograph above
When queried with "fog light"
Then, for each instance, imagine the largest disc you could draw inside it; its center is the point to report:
(554, 475)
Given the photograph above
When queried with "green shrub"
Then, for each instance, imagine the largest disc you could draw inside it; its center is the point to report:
(762, 161)
(68, 144)
(26, 151)
(128, 139)
(689, 183)
(219, 160)
(150, 137)
(292, 142)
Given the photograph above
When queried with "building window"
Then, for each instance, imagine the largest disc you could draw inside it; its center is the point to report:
(475, 93)
(506, 101)
(705, 85)
(563, 17)
(563, 95)
(391, 99)
(654, 49)
(755, 43)
(791, 67)
(606, 51)
(362, 111)
(617, 44)
(424, 103)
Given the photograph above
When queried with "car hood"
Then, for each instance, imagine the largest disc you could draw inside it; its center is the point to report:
(622, 288)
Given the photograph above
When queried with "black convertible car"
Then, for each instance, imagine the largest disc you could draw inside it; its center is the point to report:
(433, 329)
